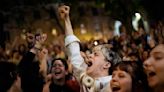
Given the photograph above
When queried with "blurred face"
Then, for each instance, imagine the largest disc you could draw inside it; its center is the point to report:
(151, 42)
(22, 48)
(121, 81)
(96, 61)
(141, 31)
(154, 67)
(145, 55)
(58, 70)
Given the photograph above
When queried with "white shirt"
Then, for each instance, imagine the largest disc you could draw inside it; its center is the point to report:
(87, 83)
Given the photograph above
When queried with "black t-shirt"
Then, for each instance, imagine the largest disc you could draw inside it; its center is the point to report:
(31, 79)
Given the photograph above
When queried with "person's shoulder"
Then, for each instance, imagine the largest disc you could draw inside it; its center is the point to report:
(73, 84)
(109, 77)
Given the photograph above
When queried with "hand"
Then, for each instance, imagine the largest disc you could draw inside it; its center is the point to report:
(35, 41)
(64, 15)
(43, 54)
(40, 40)
(47, 84)
(42, 57)
(49, 78)
(85, 57)
(64, 11)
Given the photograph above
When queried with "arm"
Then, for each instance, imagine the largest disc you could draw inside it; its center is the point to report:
(29, 70)
(72, 44)
(64, 15)
(43, 61)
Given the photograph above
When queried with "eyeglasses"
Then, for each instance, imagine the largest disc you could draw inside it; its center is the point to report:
(58, 65)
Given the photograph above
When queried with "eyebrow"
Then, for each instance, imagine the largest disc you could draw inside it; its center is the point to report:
(157, 52)
(96, 50)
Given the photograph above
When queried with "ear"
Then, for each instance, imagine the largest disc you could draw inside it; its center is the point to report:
(107, 65)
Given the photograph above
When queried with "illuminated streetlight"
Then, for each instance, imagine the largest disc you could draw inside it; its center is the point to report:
(54, 32)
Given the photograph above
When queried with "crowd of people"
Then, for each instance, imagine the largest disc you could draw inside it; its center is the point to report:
(131, 62)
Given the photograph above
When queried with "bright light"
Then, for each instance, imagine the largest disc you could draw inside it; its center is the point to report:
(54, 32)
(23, 36)
(135, 21)
(95, 43)
(138, 16)
(116, 27)
(24, 30)
(83, 29)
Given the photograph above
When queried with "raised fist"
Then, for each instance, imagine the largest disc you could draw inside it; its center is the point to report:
(64, 11)
(43, 54)
(39, 40)
(35, 40)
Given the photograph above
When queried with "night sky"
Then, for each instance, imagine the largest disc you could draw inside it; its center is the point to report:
(155, 8)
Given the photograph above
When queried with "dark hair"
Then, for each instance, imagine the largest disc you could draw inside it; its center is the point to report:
(7, 75)
(69, 75)
(62, 60)
(135, 69)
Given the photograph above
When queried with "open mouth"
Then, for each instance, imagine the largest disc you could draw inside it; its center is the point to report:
(57, 72)
(151, 74)
(89, 64)
(115, 89)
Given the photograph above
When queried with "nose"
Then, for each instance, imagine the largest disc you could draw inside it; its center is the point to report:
(114, 79)
(90, 56)
(147, 62)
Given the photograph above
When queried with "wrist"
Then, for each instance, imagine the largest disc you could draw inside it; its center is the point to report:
(37, 45)
(35, 50)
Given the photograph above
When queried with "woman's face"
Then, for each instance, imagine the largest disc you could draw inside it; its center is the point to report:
(121, 81)
(154, 67)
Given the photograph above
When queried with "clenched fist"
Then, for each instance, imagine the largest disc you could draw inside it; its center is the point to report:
(64, 11)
